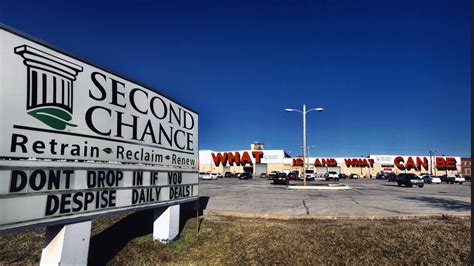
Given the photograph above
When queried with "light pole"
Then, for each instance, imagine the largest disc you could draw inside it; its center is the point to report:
(304, 112)
(432, 154)
(307, 148)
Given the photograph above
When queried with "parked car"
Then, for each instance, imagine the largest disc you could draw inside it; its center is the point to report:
(272, 175)
(229, 174)
(201, 174)
(263, 175)
(409, 180)
(331, 176)
(429, 179)
(381, 175)
(310, 175)
(459, 179)
(391, 177)
(209, 176)
(447, 179)
(354, 176)
(292, 176)
(245, 176)
(281, 178)
(342, 176)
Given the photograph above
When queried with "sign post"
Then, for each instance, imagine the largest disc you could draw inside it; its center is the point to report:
(166, 224)
(66, 244)
(78, 142)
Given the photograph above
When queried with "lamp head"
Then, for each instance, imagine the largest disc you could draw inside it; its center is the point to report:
(289, 110)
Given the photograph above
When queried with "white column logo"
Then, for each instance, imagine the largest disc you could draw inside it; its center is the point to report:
(50, 86)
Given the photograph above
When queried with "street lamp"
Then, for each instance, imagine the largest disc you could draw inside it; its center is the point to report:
(304, 112)
(432, 157)
(307, 153)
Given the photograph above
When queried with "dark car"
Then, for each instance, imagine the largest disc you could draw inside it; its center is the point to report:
(245, 176)
(292, 176)
(281, 178)
(353, 176)
(381, 175)
(447, 179)
(342, 176)
(272, 175)
(263, 175)
(409, 180)
(391, 177)
(229, 174)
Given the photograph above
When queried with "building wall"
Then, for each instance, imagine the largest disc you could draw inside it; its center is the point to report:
(276, 160)
(466, 166)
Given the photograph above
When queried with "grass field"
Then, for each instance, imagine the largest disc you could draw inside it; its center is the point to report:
(228, 240)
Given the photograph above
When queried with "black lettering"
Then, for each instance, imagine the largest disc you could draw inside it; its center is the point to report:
(119, 178)
(101, 88)
(33, 179)
(177, 117)
(91, 179)
(38, 147)
(133, 102)
(54, 179)
(120, 151)
(16, 142)
(176, 138)
(104, 199)
(110, 178)
(152, 107)
(190, 142)
(148, 131)
(77, 201)
(89, 199)
(68, 174)
(116, 93)
(89, 123)
(22, 177)
(52, 144)
(134, 196)
(120, 124)
(168, 137)
(52, 205)
(65, 201)
(187, 114)
(101, 179)
(112, 197)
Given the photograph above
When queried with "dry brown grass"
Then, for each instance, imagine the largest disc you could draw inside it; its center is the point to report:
(227, 240)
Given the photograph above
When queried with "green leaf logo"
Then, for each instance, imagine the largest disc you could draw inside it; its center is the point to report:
(53, 117)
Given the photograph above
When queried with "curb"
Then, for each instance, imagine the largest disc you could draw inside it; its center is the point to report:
(285, 217)
(329, 187)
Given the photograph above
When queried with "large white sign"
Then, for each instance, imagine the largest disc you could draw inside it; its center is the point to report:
(29, 196)
(53, 106)
(77, 140)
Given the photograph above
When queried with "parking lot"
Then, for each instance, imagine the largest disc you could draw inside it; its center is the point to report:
(367, 197)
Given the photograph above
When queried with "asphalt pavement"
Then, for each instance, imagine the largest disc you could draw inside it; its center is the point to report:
(367, 197)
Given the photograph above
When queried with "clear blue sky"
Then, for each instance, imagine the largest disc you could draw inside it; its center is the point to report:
(393, 76)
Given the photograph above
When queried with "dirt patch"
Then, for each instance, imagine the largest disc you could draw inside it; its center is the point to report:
(236, 240)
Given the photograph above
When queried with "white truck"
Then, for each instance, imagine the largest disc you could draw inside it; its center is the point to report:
(331, 175)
